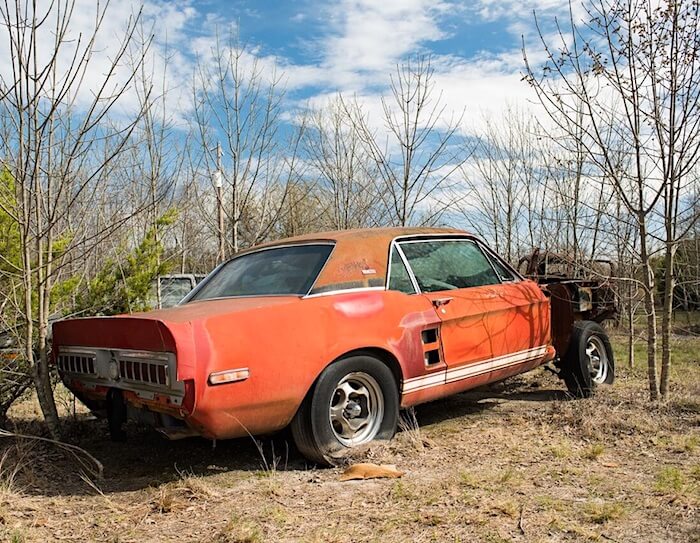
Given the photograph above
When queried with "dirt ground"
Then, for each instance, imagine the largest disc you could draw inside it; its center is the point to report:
(518, 461)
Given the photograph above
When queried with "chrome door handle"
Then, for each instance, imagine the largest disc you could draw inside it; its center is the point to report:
(439, 302)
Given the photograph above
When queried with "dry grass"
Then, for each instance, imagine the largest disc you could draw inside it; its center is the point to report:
(514, 462)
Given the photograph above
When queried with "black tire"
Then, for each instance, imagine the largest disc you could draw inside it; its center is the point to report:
(319, 436)
(589, 360)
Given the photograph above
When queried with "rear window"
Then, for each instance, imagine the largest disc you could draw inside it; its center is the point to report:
(281, 271)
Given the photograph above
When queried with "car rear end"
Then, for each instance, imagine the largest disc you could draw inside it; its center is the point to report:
(127, 367)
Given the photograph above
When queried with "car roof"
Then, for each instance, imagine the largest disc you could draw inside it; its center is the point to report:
(360, 257)
(359, 235)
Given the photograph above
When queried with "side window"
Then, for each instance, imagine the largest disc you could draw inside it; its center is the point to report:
(398, 275)
(448, 264)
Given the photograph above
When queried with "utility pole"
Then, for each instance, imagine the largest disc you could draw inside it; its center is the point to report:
(219, 185)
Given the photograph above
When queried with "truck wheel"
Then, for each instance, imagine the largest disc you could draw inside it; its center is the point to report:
(589, 360)
(354, 401)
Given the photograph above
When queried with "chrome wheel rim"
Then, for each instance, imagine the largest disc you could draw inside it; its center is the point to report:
(597, 359)
(356, 409)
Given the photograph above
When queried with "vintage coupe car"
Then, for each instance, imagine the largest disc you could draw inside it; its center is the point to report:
(331, 333)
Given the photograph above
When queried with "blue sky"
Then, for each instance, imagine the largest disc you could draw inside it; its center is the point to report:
(352, 46)
(327, 46)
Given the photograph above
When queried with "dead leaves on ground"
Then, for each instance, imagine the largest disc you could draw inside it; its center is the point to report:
(370, 471)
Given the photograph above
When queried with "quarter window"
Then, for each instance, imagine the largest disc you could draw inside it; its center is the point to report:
(398, 274)
(503, 272)
(448, 264)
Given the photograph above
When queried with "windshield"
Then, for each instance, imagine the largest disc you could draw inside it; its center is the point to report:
(173, 289)
(279, 271)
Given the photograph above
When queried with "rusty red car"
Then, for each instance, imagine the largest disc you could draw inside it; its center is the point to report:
(332, 334)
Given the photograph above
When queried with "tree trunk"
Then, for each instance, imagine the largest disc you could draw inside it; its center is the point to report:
(630, 332)
(669, 284)
(648, 282)
(44, 393)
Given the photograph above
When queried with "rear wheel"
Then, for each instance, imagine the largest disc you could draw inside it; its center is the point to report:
(589, 361)
(354, 401)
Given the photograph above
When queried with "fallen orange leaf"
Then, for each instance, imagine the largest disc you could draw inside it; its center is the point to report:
(370, 471)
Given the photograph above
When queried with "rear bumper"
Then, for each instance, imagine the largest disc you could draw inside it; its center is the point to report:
(147, 382)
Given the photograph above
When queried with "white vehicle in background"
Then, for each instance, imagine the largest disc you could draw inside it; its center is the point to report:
(168, 290)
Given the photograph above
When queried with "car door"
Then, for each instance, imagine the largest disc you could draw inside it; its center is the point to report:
(486, 318)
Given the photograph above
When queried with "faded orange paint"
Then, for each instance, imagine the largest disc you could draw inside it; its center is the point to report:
(287, 341)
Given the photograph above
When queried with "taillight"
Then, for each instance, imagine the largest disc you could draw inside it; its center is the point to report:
(188, 400)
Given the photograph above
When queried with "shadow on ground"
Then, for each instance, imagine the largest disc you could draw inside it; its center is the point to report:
(481, 399)
(148, 459)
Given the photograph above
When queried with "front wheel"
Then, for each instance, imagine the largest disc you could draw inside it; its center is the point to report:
(354, 401)
(589, 361)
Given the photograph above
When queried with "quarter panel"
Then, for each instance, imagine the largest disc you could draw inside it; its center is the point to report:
(286, 347)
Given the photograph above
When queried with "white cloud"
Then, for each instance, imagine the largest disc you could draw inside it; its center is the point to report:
(500, 10)
(361, 44)
(368, 38)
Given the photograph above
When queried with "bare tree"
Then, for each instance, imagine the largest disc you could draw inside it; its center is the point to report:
(57, 148)
(503, 180)
(237, 103)
(417, 151)
(688, 258)
(631, 69)
(345, 172)
(158, 153)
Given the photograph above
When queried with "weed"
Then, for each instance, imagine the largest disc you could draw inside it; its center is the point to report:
(601, 512)
(686, 404)
(409, 427)
(508, 508)
(9, 468)
(560, 450)
(400, 491)
(594, 452)
(676, 443)
(240, 530)
(469, 480)
(188, 488)
(494, 537)
(507, 475)
(165, 500)
(193, 485)
(695, 472)
(430, 519)
(270, 467)
(669, 480)
(690, 443)
(278, 515)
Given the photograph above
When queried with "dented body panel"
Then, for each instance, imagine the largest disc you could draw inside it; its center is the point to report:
(275, 347)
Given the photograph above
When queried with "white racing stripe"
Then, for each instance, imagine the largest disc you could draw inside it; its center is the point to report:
(432, 379)
(472, 370)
